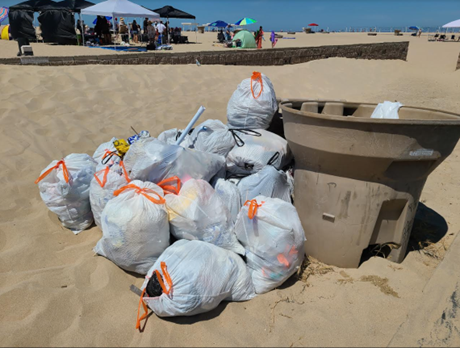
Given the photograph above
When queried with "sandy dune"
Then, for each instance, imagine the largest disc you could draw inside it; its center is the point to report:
(54, 291)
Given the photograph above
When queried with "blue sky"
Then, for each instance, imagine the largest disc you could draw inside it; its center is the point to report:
(295, 14)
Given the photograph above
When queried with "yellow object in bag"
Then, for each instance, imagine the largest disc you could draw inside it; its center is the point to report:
(122, 146)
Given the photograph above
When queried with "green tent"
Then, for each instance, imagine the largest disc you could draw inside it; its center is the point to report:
(247, 39)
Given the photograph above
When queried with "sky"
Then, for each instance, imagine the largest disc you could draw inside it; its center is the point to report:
(295, 14)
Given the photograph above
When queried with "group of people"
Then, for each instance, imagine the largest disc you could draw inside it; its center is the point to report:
(153, 32)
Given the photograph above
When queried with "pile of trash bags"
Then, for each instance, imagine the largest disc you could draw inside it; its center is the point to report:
(206, 220)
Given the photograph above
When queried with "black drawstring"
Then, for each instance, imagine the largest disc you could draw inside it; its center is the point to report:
(239, 142)
(273, 159)
(107, 158)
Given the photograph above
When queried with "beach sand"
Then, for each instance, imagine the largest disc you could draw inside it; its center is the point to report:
(55, 291)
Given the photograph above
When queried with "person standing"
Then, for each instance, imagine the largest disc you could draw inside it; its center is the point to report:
(134, 30)
(419, 34)
(273, 39)
(161, 28)
(259, 37)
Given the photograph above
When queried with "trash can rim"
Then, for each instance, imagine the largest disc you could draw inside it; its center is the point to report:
(369, 120)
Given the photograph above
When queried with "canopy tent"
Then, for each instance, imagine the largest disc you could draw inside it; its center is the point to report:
(454, 24)
(75, 5)
(58, 26)
(171, 12)
(119, 8)
(21, 24)
(247, 39)
(32, 5)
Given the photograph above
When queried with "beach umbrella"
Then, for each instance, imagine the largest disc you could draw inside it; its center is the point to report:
(246, 21)
(218, 24)
(414, 27)
(313, 25)
(454, 24)
(3, 13)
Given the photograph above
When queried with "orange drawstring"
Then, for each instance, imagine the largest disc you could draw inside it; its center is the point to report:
(257, 76)
(253, 207)
(146, 310)
(64, 169)
(165, 291)
(142, 191)
(170, 188)
(104, 179)
(125, 172)
(167, 278)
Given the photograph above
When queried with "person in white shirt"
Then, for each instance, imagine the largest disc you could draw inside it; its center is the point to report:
(161, 30)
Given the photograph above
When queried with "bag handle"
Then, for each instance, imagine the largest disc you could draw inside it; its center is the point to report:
(142, 191)
(146, 310)
(167, 277)
(104, 179)
(170, 188)
(257, 76)
(64, 169)
(253, 207)
(238, 141)
(106, 172)
(128, 180)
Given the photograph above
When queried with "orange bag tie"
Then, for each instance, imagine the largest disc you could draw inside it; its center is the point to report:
(170, 188)
(167, 278)
(257, 76)
(64, 169)
(104, 179)
(146, 310)
(253, 207)
(142, 191)
(125, 172)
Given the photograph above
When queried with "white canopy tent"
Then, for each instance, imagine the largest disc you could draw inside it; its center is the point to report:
(120, 8)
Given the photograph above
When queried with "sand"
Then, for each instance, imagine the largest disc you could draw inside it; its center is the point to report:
(55, 291)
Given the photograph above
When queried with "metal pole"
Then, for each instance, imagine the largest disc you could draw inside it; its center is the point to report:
(114, 30)
(82, 25)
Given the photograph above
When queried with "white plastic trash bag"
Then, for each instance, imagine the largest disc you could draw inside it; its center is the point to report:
(198, 213)
(152, 160)
(255, 150)
(193, 277)
(212, 136)
(271, 232)
(135, 228)
(170, 137)
(387, 110)
(230, 195)
(253, 104)
(106, 154)
(104, 183)
(64, 187)
(269, 182)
